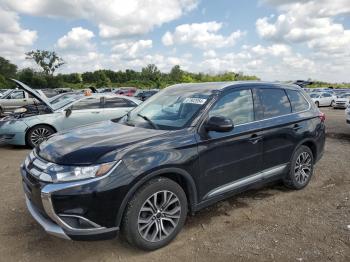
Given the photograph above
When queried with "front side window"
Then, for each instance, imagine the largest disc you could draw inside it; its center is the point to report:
(237, 105)
(297, 100)
(274, 102)
(326, 95)
(88, 103)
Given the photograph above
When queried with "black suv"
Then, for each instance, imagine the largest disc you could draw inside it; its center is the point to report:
(183, 149)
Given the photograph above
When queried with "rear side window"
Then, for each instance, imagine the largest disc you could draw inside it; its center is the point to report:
(297, 100)
(237, 105)
(117, 102)
(88, 103)
(274, 102)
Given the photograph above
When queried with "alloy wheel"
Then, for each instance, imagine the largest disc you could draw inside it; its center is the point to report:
(38, 135)
(303, 168)
(159, 216)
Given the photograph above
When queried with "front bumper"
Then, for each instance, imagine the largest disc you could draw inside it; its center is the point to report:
(68, 210)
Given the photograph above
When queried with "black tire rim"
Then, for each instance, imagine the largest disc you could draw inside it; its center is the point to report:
(303, 168)
(159, 216)
(38, 135)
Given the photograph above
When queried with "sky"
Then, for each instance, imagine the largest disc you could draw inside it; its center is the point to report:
(272, 39)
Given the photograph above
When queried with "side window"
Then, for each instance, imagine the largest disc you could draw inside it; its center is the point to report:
(88, 103)
(17, 95)
(237, 105)
(297, 100)
(274, 102)
(326, 95)
(116, 102)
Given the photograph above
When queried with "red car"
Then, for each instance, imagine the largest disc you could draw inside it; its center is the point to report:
(127, 92)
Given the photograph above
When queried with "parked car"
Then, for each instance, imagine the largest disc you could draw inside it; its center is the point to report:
(127, 91)
(143, 95)
(187, 147)
(323, 99)
(342, 100)
(2, 91)
(49, 92)
(28, 128)
(16, 98)
(347, 114)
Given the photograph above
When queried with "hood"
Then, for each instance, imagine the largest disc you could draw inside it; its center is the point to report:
(342, 100)
(90, 144)
(42, 98)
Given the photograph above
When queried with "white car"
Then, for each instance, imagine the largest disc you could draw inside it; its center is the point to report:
(347, 114)
(342, 101)
(323, 99)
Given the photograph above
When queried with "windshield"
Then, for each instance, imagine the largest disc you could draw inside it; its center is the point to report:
(314, 95)
(7, 92)
(347, 95)
(169, 109)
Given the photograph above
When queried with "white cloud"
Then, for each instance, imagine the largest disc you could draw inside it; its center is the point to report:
(132, 49)
(201, 35)
(209, 54)
(77, 40)
(114, 18)
(14, 40)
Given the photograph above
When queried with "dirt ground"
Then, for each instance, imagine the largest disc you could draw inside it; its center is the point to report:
(267, 224)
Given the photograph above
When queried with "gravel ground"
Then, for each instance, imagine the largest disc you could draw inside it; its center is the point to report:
(266, 224)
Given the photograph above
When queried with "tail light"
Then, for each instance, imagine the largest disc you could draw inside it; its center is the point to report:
(322, 116)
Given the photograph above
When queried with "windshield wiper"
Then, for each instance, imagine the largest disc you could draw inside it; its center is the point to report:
(149, 121)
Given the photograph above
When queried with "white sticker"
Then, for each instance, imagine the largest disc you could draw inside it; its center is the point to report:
(193, 100)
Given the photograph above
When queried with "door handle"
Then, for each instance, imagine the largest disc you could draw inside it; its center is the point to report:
(95, 112)
(255, 139)
(296, 127)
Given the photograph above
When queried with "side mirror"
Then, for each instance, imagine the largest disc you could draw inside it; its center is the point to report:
(219, 124)
(68, 112)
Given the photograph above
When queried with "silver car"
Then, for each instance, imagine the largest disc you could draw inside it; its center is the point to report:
(30, 126)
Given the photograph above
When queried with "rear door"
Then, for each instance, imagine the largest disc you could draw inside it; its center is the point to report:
(279, 135)
(326, 99)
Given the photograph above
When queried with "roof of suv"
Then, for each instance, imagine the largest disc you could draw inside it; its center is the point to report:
(211, 86)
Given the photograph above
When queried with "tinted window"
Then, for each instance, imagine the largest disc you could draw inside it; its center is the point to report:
(88, 103)
(297, 100)
(326, 95)
(116, 102)
(237, 105)
(274, 102)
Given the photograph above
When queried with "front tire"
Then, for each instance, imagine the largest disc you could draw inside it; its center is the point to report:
(301, 169)
(38, 134)
(155, 215)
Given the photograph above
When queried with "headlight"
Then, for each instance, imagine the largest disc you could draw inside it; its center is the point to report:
(20, 110)
(60, 173)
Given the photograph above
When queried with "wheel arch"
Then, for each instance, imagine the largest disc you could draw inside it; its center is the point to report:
(39, 124)
(310, 144)
(180, 176)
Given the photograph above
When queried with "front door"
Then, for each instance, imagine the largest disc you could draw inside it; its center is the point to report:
(228, 159)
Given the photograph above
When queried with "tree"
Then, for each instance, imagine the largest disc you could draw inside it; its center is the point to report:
(176, 74)
(102, 79)
(7, 69)
(151, 72)
(49, 61)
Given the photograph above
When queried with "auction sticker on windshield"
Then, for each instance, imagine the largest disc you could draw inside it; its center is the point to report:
(194, 100)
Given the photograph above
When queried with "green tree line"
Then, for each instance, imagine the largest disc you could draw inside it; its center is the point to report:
(149, 76)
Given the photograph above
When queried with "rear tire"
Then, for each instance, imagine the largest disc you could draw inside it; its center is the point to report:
(332, 104)
(38, 134)
(317, 104)
(155, 214)
(301, 169)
